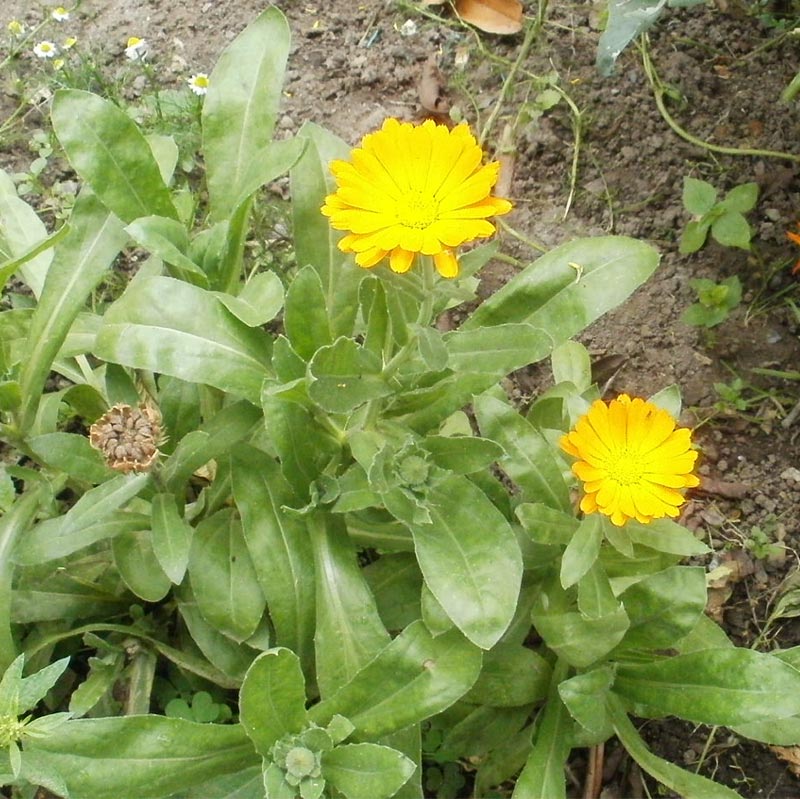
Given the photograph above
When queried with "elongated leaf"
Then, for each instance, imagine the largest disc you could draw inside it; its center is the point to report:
(108, 151)
(366, 771)
(411, 679)
(349, 631)
(547, 294)
(462, 454)
(169, 326)
(246, 784)
(512, 676)
(169, 240)
(223, 577)
(306, 318)
(543, 774)
(279, 546)
(470, 559)
(83, 523)
(530, 461)
(315, 240)
(138, 565)
(171, 537)
(20, 231)
(272, 700)
(498, 350)
(684, 783)
(13, 524)
(145, 756)
(258, 302)
(396, 581)
(79, 263)
(714, 686)
(72, 454)
(664, 607)
(240, 111)
(582, 550)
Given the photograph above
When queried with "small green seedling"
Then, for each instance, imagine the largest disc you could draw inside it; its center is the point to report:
(725, 219)
(714, 303)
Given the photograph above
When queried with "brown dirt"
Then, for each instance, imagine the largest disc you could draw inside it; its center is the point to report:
(351, 66)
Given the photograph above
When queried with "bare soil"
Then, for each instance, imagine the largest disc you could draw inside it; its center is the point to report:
(352, 65)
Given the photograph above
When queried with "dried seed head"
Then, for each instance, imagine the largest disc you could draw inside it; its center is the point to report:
(128, 437)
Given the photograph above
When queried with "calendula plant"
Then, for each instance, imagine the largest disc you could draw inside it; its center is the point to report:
(292, 493)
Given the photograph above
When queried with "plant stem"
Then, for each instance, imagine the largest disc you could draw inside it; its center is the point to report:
(659, 92)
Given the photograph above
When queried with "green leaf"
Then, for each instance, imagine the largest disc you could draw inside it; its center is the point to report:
(138, 567)
(171, 537)
(258, 302)
(315, 240)
(146, 756)
(223, 576)
(279, 546)
(498, 349)
(82, 524)
(665, 535)
(305, 318)
(413, 678)
(345, 376)
(713, 686)
(546, 525)
(171, 327)
(543, 774)
(349, 631)
(530, 461)
(483, 728)
(168, 239)
(80, 261)
(240, 111)
(732, 230)
(108, 151)
(396, 581)
(470, 559)
(577, 638)
(246, 784)
(694, 236)
(571, 364)
(432, 348)
(698, 196)
(462, 454)
(741, 198)
(272, 699)
(32, 689)
(546, 294)
(582, 550)
(366, 771)
(72, 454)
(22, 234)
(664, 607)
(512, 676)
(684, 783)
(584, 696)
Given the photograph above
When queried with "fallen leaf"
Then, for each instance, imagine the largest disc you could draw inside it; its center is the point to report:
(431, 88)
(506, 156)
(733, 566)
(492, 16)
(790, 754)
(723, 488)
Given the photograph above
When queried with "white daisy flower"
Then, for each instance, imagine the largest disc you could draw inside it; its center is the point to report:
(60, 14)
(136, 49)
(45, 49)
(198, 83)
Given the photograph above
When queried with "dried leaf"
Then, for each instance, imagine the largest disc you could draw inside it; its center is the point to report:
(431, 88)
(492, 16)
(790, 754)
(724, 488)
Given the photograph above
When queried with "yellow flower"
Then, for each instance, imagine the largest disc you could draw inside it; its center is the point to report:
(15, 27)
(69, 43)
(414, 189)
(60, 14)
(632, 460)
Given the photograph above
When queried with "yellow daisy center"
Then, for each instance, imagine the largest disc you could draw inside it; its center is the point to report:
(626, 468)
(416, 210)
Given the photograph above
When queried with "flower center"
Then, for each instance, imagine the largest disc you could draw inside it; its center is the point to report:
(626, 468)
(416, 209)
(300, 762)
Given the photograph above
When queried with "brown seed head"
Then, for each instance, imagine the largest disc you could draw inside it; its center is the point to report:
(127, 437)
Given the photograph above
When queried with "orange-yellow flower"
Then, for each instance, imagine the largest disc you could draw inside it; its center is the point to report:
(632, 460)
(414, 189)
(795, 237)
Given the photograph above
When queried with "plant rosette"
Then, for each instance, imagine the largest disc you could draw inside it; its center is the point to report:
(284, 499)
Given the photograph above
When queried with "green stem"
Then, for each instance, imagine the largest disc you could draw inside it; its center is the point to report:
(659, 92)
